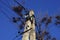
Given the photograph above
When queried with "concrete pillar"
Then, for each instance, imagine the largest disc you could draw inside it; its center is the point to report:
(29, 25)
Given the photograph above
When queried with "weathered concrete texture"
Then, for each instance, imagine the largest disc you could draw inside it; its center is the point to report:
(30, 35)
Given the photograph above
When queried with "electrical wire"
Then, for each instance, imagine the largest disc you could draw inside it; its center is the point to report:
(12, 7)
(5, 14)
(26, 10)
(7, 6)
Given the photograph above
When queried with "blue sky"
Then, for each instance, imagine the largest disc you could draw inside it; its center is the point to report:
(8, 30)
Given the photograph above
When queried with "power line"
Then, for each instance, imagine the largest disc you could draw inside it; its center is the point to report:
(8, 17)
(5, 14)
(7, 6)
(21, 6)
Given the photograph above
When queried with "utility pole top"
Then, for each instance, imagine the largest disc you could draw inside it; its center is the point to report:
(31, 13)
